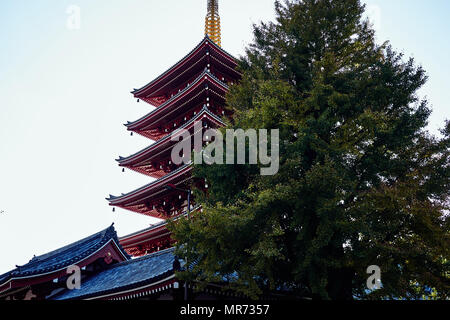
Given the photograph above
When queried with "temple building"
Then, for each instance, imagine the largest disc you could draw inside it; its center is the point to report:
(142, 265)
(46, 275)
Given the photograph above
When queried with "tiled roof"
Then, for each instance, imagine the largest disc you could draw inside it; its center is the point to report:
(125, 276)
(179, 94)
(168, 137)
(206, 38)
(157, 225)
(65, 256)
(114, 199)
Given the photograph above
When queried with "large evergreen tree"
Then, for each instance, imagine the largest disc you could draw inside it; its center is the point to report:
(361, 181)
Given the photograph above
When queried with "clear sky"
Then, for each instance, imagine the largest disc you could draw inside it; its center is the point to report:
(65, 94)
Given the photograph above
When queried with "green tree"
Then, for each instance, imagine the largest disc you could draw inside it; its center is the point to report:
(361, 180)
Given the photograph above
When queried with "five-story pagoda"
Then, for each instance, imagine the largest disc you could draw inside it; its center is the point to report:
(190, 92)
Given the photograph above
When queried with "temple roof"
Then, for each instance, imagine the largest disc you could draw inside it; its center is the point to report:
(149, 229)
(125, 276)
(205, 75)
(115, 200)
(148, 153)
(154, 86)
(154, 199)
(66, 256)
(147, 232)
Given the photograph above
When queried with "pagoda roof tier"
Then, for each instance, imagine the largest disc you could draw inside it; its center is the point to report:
(53, 265)
(140, 277)
(205, 90)
(160, 239)
(155, 199)
(155, 160)
(150, 239)
(205, 53)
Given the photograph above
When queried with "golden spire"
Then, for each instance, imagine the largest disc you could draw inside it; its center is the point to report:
(212, 22)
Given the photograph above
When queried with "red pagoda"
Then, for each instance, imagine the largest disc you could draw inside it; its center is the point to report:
(191, 91)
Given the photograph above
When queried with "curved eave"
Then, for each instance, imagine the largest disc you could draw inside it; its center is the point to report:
(143, 236)
(149, 232)
(156, 235)
(205, 41)
(141, 155)
(133, 195)
(203, 77)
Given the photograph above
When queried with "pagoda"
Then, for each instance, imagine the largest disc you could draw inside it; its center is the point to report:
(190, 92)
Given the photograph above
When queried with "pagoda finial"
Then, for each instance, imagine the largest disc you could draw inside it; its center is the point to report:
(212, 22)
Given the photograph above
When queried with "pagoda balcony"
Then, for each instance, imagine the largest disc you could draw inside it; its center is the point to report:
(155, 160)
(206, 55)
(205, 91)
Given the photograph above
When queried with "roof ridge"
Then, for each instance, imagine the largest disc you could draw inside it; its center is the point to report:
(205, 38)
(45, 256)
(170, 68)
(220, 48)
(67, 255)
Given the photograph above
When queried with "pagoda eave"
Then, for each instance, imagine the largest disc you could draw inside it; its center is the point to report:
(141, 236)
(161, 150)
(203, 80)
(155, 199)
(152, 92)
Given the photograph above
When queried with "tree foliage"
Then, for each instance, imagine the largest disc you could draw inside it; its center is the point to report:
(361, 180)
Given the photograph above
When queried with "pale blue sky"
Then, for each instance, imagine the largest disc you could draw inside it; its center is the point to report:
(64, 95)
